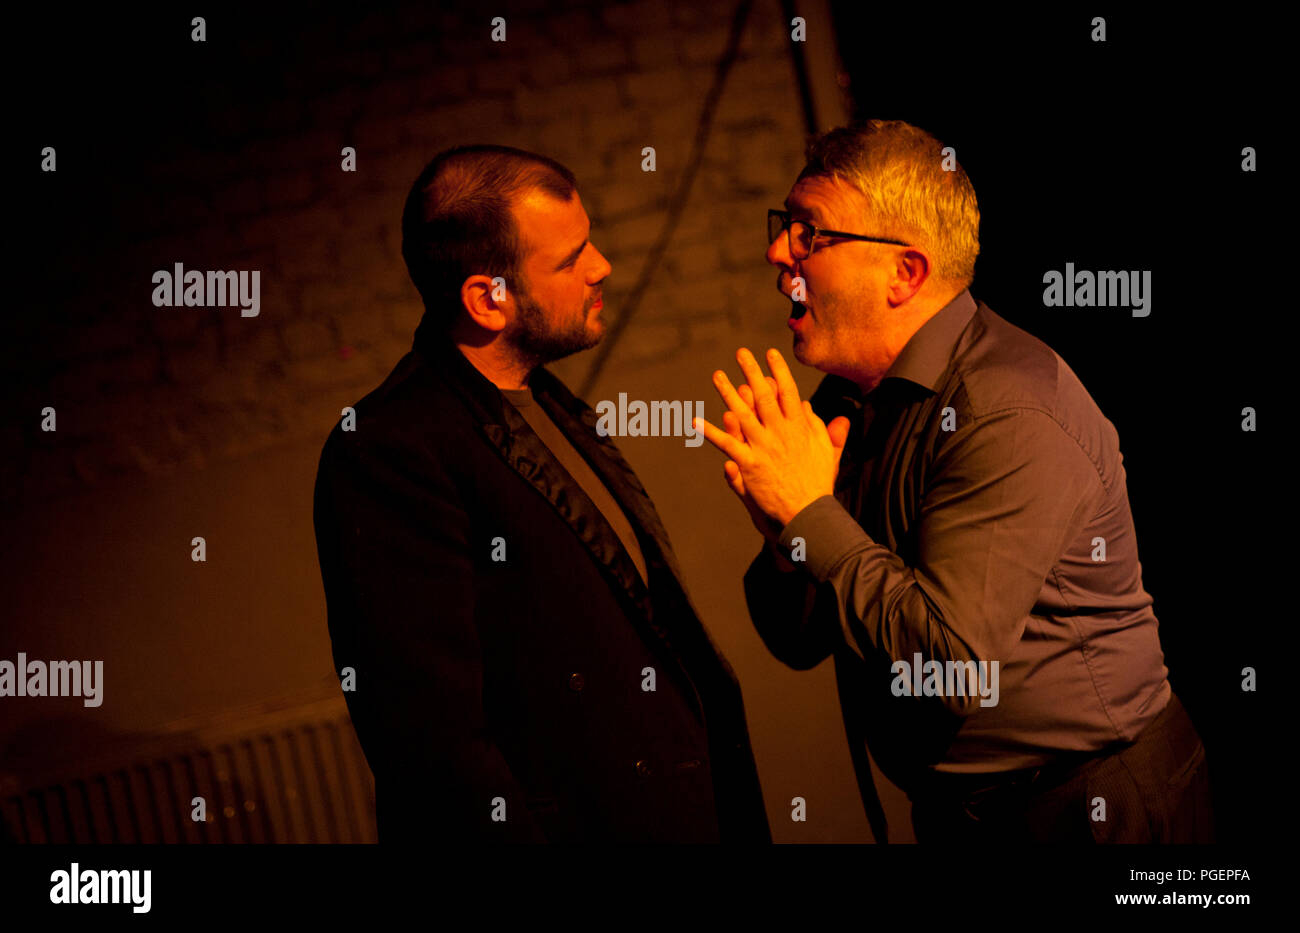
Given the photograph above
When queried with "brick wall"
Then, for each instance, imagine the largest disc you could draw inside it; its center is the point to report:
(258, 185)
(174, 422)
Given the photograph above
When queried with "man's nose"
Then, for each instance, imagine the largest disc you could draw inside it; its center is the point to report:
(602, 268)
(778, 252)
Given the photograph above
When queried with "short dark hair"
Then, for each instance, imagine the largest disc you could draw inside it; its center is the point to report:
(458, 221)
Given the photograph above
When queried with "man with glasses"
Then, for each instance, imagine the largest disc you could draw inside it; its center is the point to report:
(948, 518)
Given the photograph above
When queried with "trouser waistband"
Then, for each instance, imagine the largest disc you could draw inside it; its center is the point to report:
(1171, 725)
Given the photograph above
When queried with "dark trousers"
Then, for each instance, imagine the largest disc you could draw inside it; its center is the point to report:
(1156, 790)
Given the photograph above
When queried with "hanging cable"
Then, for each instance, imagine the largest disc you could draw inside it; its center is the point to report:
(678, 204)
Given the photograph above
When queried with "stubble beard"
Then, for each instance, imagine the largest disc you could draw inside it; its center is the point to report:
(537, 343)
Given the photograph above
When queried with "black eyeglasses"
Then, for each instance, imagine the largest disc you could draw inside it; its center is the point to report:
(801, 236)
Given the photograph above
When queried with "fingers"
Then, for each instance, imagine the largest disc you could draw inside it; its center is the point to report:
(731, 424)
(734, 479)
(736, 450)
(749, 423)
(818, 425)
(747, 394)
(839, 431)
(765, 401)
(787, 390)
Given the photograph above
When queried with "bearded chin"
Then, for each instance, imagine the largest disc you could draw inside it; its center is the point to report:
(537, 343)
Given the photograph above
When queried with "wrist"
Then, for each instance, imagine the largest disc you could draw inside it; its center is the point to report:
(777, 553)
(828, 534)
(789, 511)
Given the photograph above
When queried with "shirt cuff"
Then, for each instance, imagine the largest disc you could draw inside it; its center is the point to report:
(829, 534)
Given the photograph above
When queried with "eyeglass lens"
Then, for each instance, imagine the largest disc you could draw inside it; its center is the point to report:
(799, 233)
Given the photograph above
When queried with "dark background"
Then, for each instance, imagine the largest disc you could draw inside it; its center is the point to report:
(1127, 155)
(180, 422)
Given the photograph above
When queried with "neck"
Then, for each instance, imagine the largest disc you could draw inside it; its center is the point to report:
(502, 371)
(879, 351)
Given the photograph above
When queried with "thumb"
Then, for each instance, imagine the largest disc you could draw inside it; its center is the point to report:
(838, 429)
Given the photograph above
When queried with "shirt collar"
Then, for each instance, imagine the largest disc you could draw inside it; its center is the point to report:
(925, 357)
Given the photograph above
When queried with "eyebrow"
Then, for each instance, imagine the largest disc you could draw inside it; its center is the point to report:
(573, 255)
(810, 212)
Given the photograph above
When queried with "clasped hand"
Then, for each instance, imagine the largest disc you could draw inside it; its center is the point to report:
(782, 455)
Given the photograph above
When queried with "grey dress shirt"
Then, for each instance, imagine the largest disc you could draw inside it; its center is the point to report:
(980, 515)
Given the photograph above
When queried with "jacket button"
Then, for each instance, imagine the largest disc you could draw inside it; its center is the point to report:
(576, 682)
(643, 768)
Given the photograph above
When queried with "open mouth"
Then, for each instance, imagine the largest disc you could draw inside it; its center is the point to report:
(797, 310)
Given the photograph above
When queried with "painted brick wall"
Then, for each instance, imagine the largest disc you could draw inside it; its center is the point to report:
(176, 422)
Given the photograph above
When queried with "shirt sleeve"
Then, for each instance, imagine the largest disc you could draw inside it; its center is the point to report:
(399, 584)
(783, 607)
(1003, 496)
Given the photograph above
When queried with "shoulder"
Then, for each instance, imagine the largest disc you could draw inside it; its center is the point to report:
(1001, 370)
(413, 413)
(999, 366)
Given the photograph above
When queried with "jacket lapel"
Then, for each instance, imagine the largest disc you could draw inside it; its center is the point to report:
(578, 421)
(528, 456)
(520, 447)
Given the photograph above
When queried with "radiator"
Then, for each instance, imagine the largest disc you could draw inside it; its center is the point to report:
(278, 773)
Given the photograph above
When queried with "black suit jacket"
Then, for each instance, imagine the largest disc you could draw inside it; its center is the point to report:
(515, 686)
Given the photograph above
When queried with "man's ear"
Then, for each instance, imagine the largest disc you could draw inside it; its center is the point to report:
(487, 301)
(911, 269)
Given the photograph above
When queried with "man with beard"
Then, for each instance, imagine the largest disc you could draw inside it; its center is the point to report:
(948, 518)
(528, 666)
